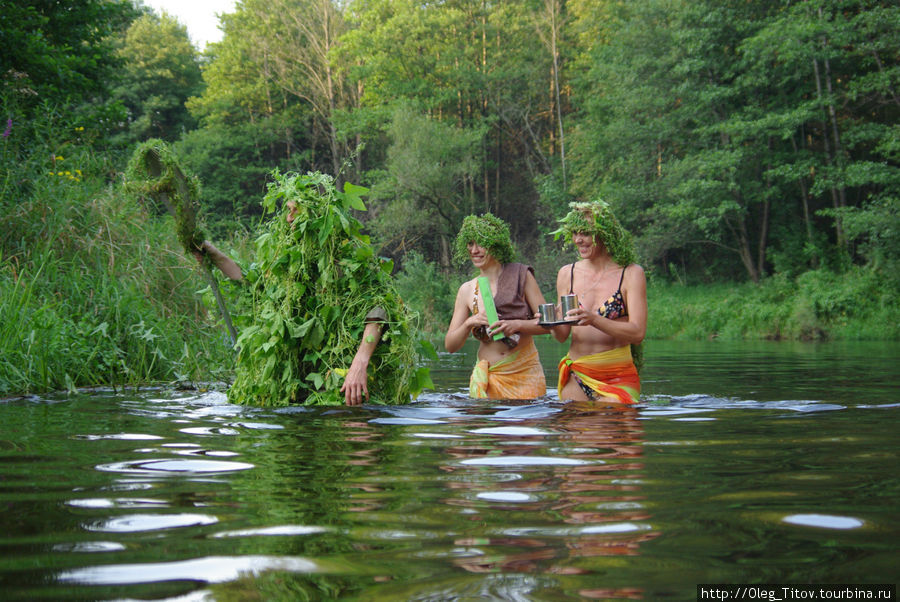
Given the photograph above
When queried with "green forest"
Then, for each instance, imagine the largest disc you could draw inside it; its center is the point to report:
(751, 148)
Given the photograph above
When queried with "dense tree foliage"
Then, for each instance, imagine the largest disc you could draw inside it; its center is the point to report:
(734, 138)
(473, 66)
(160, 71)
(61, 51)
(754, 128)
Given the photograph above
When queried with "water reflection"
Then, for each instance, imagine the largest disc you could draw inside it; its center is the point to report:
(605, 496)
(150, 522)
(825, 521)
(209, 570)
(571, 491)
(786, 478)
(280, 530)
(174, 467)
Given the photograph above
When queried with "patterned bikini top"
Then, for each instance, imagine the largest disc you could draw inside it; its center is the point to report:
(612, 308)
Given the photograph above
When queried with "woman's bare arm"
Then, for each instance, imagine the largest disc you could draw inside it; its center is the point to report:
(462, 323)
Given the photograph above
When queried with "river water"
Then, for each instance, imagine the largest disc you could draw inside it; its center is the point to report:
(764, 463)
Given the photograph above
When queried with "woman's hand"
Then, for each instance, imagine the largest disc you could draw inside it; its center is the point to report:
(584, 317)
(505, 327)
(476, 320)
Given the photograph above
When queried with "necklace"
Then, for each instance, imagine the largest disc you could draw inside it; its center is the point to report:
(594, 279)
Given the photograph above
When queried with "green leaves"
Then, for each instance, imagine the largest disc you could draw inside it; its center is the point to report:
(352, 196)
(161, 70)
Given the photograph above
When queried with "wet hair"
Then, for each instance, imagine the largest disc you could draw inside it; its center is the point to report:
(596, 218)
(488, 231)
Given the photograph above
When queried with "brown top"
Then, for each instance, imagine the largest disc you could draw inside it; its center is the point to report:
(509, 301)
(510, 298)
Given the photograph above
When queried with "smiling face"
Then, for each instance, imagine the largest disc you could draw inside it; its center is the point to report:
(596, 232)
(588, 246)
(488, 233)
(479, 255)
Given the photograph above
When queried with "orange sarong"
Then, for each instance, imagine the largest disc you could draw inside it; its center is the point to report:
(517, 376)
(610, 374)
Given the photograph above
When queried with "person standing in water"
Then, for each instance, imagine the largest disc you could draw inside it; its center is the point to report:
(508, 368)
(611, 319)
(355, 382)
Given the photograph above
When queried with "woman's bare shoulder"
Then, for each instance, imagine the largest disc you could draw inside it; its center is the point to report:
(634, 270)
(467, 288)
(566, 269)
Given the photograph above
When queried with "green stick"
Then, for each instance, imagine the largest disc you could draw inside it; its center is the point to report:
(487, 299)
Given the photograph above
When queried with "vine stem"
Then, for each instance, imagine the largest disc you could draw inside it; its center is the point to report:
(221, 303)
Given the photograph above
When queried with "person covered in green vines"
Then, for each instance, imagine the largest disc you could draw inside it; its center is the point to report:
(324, 307)
(611, 318)
(508, 366)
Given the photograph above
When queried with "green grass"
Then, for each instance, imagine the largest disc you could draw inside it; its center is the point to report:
(94, 290)
(861, 304)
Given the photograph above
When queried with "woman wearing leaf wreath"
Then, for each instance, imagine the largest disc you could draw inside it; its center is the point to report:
(508, 368)
(612, 313)
(319, 296)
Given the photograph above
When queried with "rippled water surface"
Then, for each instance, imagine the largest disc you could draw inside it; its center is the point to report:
(753, 463)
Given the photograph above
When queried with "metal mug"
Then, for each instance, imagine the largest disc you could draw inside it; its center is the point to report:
(568, 302)
(548, 312)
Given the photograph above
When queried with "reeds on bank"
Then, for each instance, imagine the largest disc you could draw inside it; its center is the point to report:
(94, 290)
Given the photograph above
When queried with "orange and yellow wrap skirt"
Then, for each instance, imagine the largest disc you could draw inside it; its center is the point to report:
(517, 376)
(609, 374)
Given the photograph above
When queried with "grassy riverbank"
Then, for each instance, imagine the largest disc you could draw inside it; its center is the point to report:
(94, 291)
(860, 304)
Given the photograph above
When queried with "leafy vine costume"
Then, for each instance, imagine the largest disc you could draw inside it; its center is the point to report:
(153, 172)
(312, 286)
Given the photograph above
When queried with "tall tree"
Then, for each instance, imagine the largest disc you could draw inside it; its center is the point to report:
(63, 50)
(294, 43)
(423, 197)
(161, 70)
(249, 124)
(470, 63)
(841, 62)
(549, 26)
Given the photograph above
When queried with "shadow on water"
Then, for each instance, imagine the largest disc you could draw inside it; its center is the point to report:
(762, 463)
